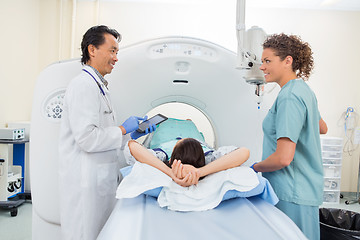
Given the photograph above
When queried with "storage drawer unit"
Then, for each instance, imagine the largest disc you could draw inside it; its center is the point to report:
(331, 184)
(332, 170)
(331, 197)
(332, 159)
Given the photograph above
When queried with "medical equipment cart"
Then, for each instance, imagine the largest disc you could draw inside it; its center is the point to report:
(12, 192)
(332, 160)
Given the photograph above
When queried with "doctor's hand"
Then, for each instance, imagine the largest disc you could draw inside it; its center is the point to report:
(136, 134)
(132, 123)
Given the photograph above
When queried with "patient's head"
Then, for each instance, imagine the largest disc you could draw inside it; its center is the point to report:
(188, 151)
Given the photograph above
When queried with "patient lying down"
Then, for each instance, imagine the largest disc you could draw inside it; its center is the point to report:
(187, 162)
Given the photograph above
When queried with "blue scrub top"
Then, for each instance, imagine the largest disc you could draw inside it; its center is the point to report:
(295, 115)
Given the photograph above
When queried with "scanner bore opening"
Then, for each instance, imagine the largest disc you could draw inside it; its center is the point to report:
(185, 111)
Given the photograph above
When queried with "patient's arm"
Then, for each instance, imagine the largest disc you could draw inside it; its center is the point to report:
(142, 155)
(230, 160)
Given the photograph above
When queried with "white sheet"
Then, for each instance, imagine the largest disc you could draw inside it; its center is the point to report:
(207, 194)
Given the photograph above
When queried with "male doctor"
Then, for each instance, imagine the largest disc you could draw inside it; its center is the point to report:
(90, 140)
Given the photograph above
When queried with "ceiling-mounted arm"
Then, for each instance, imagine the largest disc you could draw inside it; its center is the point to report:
(240, 33)
(249, 42)
(249, 49)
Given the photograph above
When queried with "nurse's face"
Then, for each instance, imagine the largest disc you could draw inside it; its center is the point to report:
(105, 56)
(272, 66)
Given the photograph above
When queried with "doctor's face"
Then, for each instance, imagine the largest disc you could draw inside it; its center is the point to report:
(104, 57)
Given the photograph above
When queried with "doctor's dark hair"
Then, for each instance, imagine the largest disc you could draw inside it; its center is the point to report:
(292, 45)
(95, 36)
(188, 151)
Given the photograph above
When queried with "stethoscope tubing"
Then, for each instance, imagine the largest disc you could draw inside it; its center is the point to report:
(102, 91)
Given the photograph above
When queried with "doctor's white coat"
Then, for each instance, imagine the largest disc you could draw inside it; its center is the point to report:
(89, 147)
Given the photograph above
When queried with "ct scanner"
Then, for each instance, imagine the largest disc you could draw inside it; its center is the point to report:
(147, 74)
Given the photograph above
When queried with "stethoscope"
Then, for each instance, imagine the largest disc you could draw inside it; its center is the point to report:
(102, 91)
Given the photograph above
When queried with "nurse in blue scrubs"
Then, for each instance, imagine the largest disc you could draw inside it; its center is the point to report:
(291, 146)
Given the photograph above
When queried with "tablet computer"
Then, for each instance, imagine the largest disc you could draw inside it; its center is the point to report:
(157, 119)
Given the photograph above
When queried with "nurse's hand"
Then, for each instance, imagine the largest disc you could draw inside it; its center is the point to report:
(132, 123)
(136, 134)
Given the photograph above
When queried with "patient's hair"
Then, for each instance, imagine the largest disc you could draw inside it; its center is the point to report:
(95, 36)
(188, 151)
(292, 45)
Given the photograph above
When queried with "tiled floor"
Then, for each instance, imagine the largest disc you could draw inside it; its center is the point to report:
(19, 227)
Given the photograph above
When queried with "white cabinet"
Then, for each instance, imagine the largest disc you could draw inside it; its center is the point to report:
(332, 158)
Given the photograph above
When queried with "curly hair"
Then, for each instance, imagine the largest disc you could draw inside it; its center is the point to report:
(95, 36)
(292, 45)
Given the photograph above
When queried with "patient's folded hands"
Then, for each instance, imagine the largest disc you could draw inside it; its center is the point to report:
(185, 174)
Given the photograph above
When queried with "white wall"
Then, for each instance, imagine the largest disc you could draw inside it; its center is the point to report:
(19, 41)
(39, 32)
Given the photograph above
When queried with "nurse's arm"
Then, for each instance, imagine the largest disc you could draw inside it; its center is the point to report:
(282, 157)
(322, 126)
